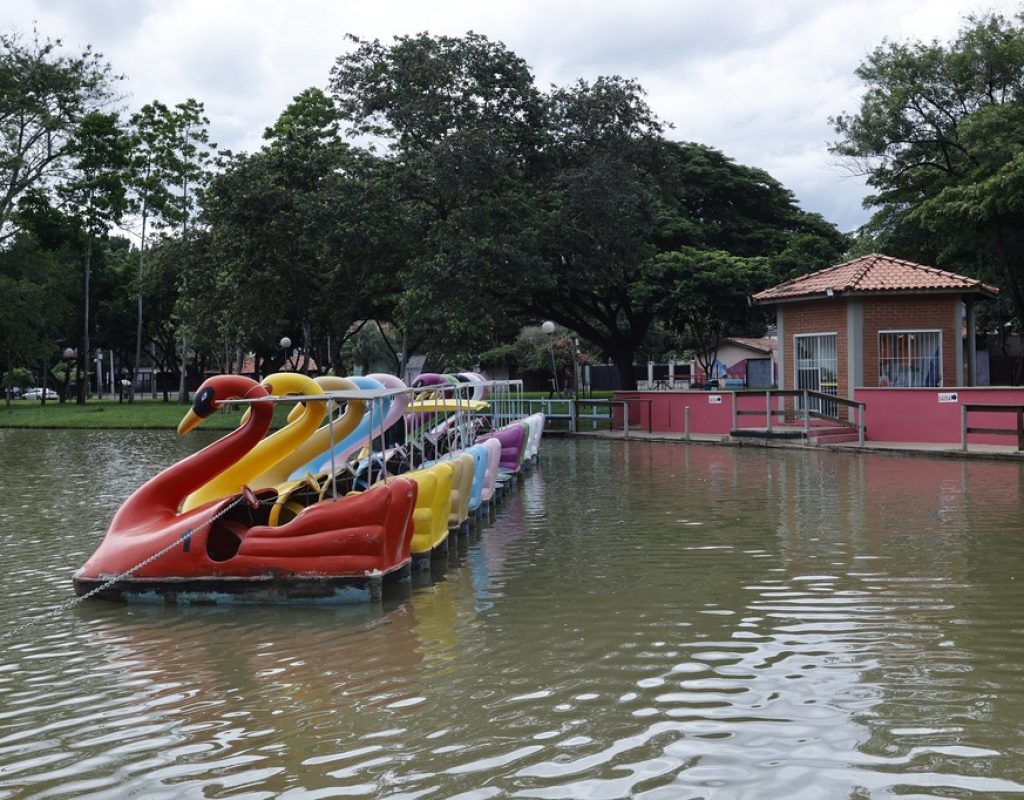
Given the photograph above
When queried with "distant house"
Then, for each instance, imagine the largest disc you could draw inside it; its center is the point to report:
(740, 363)
(872, 322)
(294, 363)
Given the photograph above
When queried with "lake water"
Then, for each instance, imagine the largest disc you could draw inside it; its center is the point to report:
(642, 620)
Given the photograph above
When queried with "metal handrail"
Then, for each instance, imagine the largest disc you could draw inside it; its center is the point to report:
(574, 412)
(860, 408)
(966, 408)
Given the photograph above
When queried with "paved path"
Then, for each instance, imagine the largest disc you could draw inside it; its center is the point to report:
(943, 450)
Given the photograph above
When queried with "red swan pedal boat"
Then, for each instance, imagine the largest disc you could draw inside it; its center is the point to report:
(336, 550)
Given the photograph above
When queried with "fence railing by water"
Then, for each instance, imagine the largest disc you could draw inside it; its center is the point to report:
(812, 405)
(967, 408)
(582, 414)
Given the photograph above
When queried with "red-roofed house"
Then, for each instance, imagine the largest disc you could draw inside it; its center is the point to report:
(739, 362)
(872, 322)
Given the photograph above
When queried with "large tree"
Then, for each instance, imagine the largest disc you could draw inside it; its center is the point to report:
(597, 215)
(526, 206)
(644, 229)
(940, 137)
(94, 193)
(154, 140)
(39, 282)
(307, 220)
(44, 95)
(460, 120)
(189, 169)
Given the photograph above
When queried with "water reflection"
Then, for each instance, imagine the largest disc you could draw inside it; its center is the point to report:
(641, 620)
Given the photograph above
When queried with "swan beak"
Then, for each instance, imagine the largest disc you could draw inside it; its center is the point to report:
(297, 411)
(188, 422)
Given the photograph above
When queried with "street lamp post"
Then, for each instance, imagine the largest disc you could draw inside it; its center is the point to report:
(70, 354)
(549, 329)
(285, 343)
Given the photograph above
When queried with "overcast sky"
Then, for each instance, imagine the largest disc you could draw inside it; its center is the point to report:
(757, 79)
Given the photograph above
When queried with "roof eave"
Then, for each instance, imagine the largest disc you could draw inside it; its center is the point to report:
(982, 289)
(796, 298)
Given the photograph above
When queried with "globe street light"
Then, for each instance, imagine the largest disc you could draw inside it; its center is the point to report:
(285, 344)
(70, 354)
(549, 329)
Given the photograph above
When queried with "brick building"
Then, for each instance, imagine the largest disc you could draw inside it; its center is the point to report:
(875, 321)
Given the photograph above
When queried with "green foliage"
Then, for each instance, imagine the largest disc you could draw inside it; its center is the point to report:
(939, 135)
(612, 276)
(368, 350)
(460, 119)
(526, 205)
(307, 221)
(95, 191)
(534, 351)
(18, 376)
(37, 286)
(44, 96)
(479, 204)
(190, 161)
(154, 137)
(425, 91)
(707, 296)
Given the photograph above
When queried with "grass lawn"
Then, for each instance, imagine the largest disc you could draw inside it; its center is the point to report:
(140, 415)
(150, 414)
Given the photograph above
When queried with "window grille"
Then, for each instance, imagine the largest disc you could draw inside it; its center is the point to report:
(817, 369)
(910, 358)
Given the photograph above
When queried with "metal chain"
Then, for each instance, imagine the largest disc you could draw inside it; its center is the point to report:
(126, 574)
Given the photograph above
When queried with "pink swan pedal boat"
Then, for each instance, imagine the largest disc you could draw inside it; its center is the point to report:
(335, 550)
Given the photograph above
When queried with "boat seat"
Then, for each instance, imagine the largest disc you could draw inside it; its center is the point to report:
(293, 498)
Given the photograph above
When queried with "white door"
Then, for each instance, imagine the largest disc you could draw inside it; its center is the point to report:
(816, 368)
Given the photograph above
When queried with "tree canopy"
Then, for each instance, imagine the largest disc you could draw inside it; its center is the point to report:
(44, 96)
(432, 196)
(939, 136)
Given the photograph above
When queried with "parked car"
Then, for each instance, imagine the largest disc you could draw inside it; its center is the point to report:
(37, 394)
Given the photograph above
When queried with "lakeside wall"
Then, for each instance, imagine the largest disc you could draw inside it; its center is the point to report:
(893, 415)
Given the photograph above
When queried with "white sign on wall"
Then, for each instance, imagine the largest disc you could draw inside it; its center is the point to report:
(948, 397)
(715, 399)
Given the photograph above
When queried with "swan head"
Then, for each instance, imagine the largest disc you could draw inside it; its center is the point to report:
(331, 383)
(215, 391)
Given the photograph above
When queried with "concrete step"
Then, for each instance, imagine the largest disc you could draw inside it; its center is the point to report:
(836, 438)
(831, 430)
(816, 434)
(776, 432)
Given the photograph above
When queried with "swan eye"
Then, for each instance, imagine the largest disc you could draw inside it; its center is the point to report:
(202, 404)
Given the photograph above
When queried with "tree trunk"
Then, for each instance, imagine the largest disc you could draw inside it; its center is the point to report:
(85, 331)
(138, 324)
(622, 356)
(182, 370)
(1009, 273)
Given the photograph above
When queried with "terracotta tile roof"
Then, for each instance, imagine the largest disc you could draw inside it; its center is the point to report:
(249, 365)
(761, 345)
(872, 274)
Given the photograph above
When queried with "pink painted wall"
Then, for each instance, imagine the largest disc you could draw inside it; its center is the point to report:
(893, 415)
(916, 415)
(668, 411)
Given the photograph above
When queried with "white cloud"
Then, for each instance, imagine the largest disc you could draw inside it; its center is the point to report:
(756, 80)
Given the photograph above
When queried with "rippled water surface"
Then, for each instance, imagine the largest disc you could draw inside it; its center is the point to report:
(641, 620)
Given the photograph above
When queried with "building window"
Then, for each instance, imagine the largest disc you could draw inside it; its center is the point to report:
(817, 369)
(910, 358)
